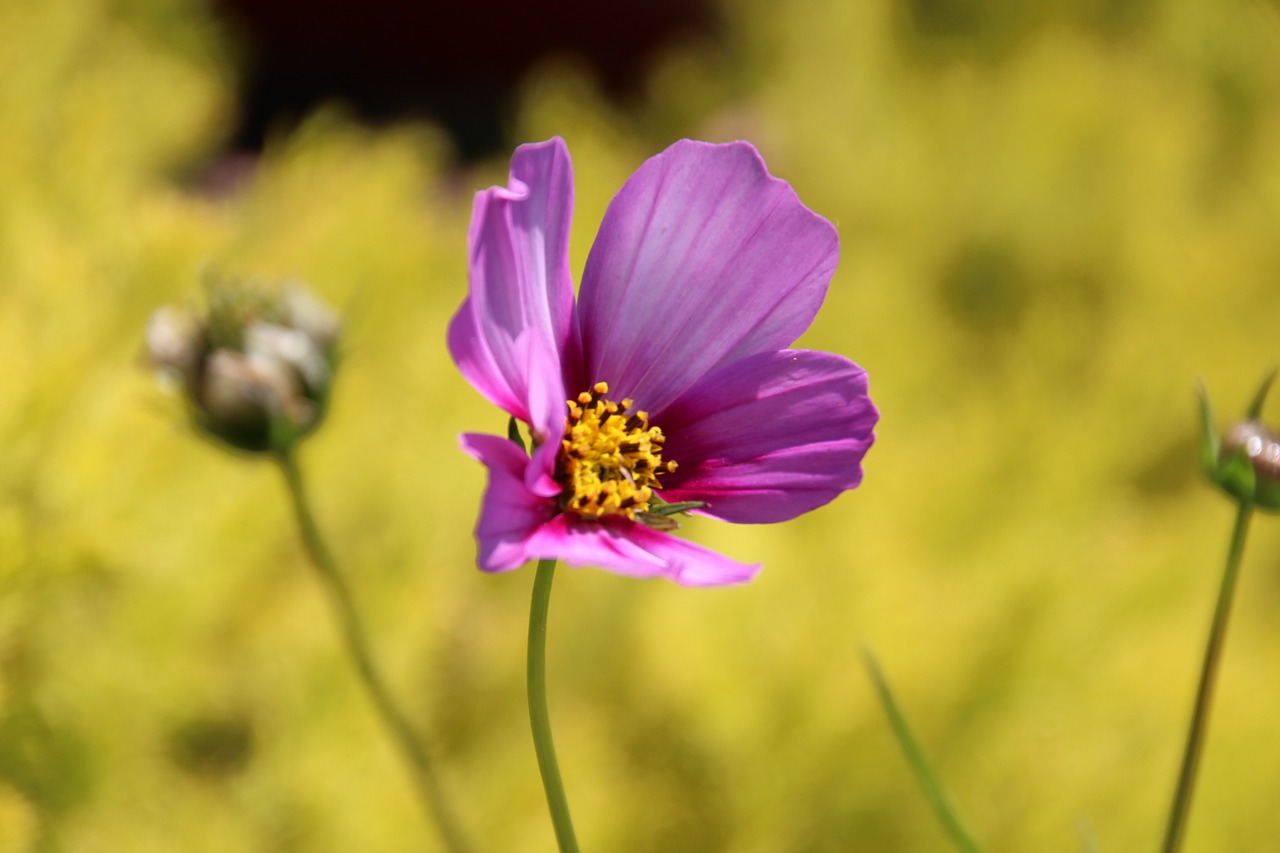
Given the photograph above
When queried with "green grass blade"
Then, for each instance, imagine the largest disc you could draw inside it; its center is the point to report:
(919, 763)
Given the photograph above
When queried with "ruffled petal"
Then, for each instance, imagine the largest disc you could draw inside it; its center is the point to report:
(769, 437)
(631, 549)
(703, 258)
(510, 513)
(520, 304)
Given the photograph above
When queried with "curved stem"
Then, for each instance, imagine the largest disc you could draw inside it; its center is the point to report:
(1204, 694)
(539, 717)
(353, 633)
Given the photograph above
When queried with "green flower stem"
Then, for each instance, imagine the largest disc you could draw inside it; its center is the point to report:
(411, 746)
(539, 717)
(1204, 694)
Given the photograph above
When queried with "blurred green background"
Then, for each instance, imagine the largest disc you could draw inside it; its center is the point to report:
(1055, 218)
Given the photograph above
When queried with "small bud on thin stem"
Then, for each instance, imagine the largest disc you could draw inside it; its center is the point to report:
(1244, 463)
(255, 368)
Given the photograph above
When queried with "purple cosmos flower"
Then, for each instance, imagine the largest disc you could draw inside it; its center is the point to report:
(670, 380)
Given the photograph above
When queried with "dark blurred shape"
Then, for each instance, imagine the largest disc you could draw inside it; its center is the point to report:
(48, 760)
(984, 289)
(994, 29)
(457, 64)
(212, 746)
(1164, 467)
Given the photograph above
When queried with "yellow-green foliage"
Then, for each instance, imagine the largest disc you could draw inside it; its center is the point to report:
(1054, 220)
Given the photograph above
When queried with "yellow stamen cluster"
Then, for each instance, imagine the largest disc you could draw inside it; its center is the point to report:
(610, 458)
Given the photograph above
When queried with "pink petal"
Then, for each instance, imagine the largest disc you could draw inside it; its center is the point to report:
(510, 514)
(518, 315)
(769, 437)
(703, 258)
(631, 549)
(547, 409)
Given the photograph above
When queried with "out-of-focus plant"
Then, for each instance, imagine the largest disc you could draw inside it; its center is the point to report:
(1245, 464)
(255, 371)
(255, 368)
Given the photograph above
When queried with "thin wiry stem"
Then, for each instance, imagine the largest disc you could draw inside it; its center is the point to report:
(411, 746)
(539, 717)
(1204, 693)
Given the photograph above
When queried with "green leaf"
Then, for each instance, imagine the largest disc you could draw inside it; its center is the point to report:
(1210, 444)
(1255, 408)
(657, 522)
(513, 433)
(657, 507)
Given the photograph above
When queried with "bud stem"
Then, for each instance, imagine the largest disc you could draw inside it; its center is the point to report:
(411, 746)
(539, 716)
(1204, 693)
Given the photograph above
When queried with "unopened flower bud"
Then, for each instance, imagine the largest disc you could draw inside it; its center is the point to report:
(255, 368)
(1245, 462)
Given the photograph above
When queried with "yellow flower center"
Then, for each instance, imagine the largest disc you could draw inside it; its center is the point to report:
(610, 458)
